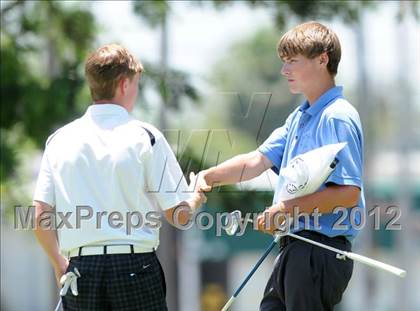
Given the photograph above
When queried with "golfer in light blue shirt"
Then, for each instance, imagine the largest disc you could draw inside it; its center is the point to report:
(305, 277)
(331, 119)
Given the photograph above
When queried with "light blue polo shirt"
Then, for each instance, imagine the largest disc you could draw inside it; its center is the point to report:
(331, 119)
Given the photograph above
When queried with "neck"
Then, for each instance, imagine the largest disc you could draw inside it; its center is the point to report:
(313, 95)
(109, 101)
(105, 101)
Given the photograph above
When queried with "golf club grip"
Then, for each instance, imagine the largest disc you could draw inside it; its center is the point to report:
(376, 264)
(228, 304)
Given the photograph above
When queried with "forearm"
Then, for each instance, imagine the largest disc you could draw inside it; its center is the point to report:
(183, 212)
(325, 201)
(240, 168)
(47, 237)
(48, 241)
(179, 215)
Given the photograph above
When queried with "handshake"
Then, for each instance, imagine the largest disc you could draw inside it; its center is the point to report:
(183, 212)
(198, 185)
(303, 175)
(204, 182)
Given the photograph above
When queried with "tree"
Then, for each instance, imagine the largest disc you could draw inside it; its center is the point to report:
(43, 47)
(348, 11)
(252, 89)
(171, 85)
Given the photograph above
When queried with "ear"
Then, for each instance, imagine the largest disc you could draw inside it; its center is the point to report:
(323, 59)
(123, 85)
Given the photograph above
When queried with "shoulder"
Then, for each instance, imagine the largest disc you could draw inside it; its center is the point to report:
(63, 132)
(149, 128)
(289, 120)
(281, 132)
(146, 131)
(342, 111)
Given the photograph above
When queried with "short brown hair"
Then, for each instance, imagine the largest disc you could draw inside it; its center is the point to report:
(106, 66)
(311, 39)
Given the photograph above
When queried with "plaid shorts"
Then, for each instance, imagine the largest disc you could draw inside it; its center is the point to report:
(120, 282)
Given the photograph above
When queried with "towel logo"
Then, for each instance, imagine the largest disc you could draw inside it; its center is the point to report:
(301, 179)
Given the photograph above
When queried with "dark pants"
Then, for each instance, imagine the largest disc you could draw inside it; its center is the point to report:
(120, 282)
(307, 277)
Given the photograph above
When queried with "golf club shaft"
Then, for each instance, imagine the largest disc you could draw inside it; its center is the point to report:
(356, 257)
(376, 264)
(57, 308)
(250, 274)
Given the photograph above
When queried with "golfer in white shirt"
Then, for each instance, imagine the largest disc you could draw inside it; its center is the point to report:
(108, 175)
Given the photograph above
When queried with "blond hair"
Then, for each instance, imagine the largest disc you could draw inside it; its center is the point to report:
(106, 66)
(311, 39)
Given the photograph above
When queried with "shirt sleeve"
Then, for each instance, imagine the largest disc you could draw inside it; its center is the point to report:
(44, 190)
(273, 147)
(164, 177)
(349, 169)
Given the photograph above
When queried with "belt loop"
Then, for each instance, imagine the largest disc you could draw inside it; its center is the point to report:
(105, 246)
(132, 248)
(80, 251)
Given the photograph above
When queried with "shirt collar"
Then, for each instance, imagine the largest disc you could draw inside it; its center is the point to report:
(106, 109)
(322, 101)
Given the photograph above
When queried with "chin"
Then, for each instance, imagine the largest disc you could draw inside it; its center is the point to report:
(294, 91)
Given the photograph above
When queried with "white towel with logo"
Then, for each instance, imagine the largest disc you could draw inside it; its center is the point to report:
(306, 172)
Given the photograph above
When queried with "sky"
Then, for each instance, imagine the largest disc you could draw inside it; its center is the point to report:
(198, 36)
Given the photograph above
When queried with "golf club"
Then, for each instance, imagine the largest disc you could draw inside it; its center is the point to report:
(250, 274)
(232, 226)
(57, 308)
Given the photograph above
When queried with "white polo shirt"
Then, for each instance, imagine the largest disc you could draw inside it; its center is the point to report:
(107, 161)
